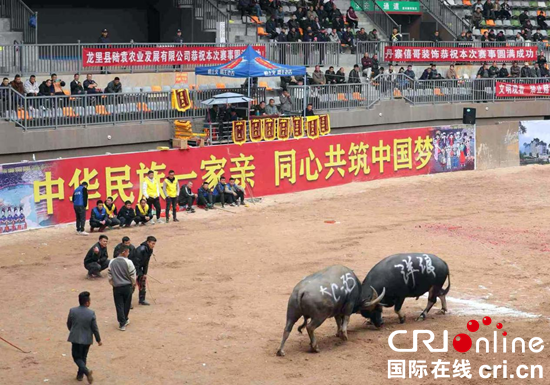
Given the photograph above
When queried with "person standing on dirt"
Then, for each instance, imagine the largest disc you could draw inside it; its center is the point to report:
(82, 327)
(141, 258)
(125, 242)
(151, 192)
(122, 276)
(80, 202)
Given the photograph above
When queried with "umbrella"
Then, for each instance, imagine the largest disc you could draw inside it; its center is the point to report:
(227, 98)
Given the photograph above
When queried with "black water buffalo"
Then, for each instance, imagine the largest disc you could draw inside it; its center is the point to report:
(406, 275)
(332, 292)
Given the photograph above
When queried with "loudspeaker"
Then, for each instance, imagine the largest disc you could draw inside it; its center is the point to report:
(469, 116)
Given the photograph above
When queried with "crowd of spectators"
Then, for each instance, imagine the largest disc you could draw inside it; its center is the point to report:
(322, 21)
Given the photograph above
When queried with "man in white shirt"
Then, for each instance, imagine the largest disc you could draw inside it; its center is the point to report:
(31, 87)
(122, 276)
(151, 191)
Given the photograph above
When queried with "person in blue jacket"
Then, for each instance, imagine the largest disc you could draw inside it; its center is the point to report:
(80, 202)
(204, 197)
(99, 218)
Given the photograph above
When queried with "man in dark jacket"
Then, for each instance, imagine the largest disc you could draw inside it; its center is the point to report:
(104, 38)
(537, 36)
(97, 258)
(18, 85)
(493, 70)
(271, 28)
(330, 75)
(82, 325)
(178, 38)
(126, 214)
(409, 72)
(375, 65)
(500, 36)
(436, 38)
(204, 196)
(80, 202)
(125, 242)
(76, 86)
(524, 17)
(503, 73)
(526, 71)
(187, 197)
(141, 258)
(354, 76)
(114, 86)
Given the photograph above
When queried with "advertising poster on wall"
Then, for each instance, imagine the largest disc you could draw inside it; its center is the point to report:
(39, 194)
(534, 142)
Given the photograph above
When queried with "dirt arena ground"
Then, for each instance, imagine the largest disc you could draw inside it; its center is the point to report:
(218, 314)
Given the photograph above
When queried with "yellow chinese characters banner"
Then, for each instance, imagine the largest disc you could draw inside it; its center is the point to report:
(283, 129)
(35, 194)
(297, 127)
(324, 124)
(312, 126)
(181, 100)
(269, 129)
(256, 128)
(239, 132)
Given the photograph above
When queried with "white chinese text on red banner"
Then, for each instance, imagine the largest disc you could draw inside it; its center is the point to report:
(150, 56)
(522, 90)
(466, 54)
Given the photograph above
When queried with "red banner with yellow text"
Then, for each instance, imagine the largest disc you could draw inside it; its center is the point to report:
(462, 54)
(36, 194)
(151, 56)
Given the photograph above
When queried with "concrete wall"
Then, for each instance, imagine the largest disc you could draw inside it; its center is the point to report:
(497, 145)
(399, 114)
(85, 24)
(17, 145)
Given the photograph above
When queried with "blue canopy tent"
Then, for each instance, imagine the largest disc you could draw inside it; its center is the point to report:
(251, 64)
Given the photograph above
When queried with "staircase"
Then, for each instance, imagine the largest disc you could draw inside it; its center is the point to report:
(15, 23)
(207, 12)
(445, 16)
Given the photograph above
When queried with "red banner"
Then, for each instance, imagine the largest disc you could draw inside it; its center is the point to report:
(36, 194)
(522, 90)
(466, 54)
(151, 56)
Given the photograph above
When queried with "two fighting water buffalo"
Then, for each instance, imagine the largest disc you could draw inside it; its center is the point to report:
(336, 292)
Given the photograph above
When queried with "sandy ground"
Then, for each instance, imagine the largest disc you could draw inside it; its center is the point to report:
(218, 314)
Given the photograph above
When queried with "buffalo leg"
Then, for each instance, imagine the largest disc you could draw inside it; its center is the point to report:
(432, 299)
(397, 309)
(288, 328)
(443, 300)
(314, 324)
(338, 319)
(302, 325)
(344, 330)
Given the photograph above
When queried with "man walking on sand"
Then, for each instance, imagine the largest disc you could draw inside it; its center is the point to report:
(122, 276)
(82, 327)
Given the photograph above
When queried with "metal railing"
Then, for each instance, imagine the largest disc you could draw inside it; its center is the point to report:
(308, 54)
(183, 3)
(334, 96)
(378, 16)
(20, 19)
(445, 16)
(212, 16)
(32, 112)
(67, 58)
